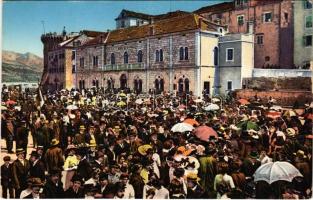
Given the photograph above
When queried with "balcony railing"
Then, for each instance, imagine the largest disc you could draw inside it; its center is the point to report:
(121, 67)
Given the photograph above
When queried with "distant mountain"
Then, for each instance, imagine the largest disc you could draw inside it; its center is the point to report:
(18, 67)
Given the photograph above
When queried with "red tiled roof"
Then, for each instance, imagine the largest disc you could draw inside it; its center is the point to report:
(221, 7)
(90, 33)
(180, 23)
(97, 40)
(129, 13)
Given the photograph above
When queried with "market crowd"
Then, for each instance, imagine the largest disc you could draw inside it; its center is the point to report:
(92, 144)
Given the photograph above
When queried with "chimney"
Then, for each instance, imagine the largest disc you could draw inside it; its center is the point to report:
(151, 30)
(200, 21)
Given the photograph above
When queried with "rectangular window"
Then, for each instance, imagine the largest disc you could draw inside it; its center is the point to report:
(73, 55)
(307, 4)
(260, 39)
(267, 17)
(230, 54)
(73, 68)
(240, 20)
(206, 87)
(81, 62)
(308, 22)
(307, 40)
(229, 85)
(95, 61)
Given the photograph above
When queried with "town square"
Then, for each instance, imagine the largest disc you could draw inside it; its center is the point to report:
(169, 100)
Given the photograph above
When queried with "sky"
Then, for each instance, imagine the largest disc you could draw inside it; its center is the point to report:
(22, 21)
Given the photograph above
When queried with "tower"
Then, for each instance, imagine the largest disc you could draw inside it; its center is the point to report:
(50, 42)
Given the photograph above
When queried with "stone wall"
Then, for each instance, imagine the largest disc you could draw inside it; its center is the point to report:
(268, 83)
(285, 98)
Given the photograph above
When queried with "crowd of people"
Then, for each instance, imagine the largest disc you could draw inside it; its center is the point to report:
(91, 144)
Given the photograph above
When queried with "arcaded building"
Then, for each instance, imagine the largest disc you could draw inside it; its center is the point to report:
(175, 52)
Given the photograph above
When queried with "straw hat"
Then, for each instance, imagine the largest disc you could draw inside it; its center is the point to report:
(291, 132)
(193, 177)
(300, 154)
(54, 142)
(144, 148)
(20, 151)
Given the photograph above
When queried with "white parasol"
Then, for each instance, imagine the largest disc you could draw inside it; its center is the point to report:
(182, 127)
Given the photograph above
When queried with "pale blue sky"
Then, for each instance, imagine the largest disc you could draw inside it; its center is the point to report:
(22, 25)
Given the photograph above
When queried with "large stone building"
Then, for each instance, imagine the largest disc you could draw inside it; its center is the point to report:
(303, 34)
(174, 52)
(271, 21)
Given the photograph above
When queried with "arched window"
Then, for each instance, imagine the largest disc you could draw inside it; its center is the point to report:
(139, 86)
(125, 58)
(109, 82)
(161, 85)
(157, 56)
(215, 56)
(123, 81)
(112, 59)
(83, 82)
(186, 85)
(180, 85)
(139, 56)
(80, 84)
(186, 53)
(136, 85)
(97, 83)
(181, 53)
(161, 55)
(157, 84)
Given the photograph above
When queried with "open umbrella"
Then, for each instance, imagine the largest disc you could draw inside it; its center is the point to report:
(276, 171)
(243, 101)
(191, 121)
(215, 100)
(122, 95)
(275, 107)
(198, 101)
(181, 107)
(205, 132)
(273, 114)
(139, 101)
(182, 127)
(211, 107)
(248, 125)
(71, 107)
(121, 103)
(9, 102)
(290, 113)
(3, 107)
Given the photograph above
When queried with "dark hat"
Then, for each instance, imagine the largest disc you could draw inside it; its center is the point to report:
(20, 151)
(103, 176)
(36, 182)
(77, 177)
(34, 153)
(55, 171)
(6, 158)
(124, 175)
(254, 154)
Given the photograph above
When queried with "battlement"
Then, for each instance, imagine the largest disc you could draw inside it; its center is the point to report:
(51, 37)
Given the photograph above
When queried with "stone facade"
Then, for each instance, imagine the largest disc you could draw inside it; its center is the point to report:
(303, 12)
(274, 35)
(175, 54)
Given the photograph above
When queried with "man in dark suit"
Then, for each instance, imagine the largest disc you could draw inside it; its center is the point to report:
(22, 136)
(7, 178)
(76, 191)
(53, 188)
(37, 168)
(105, 189)
(84, 168)
(194, 190)
(20, 170)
